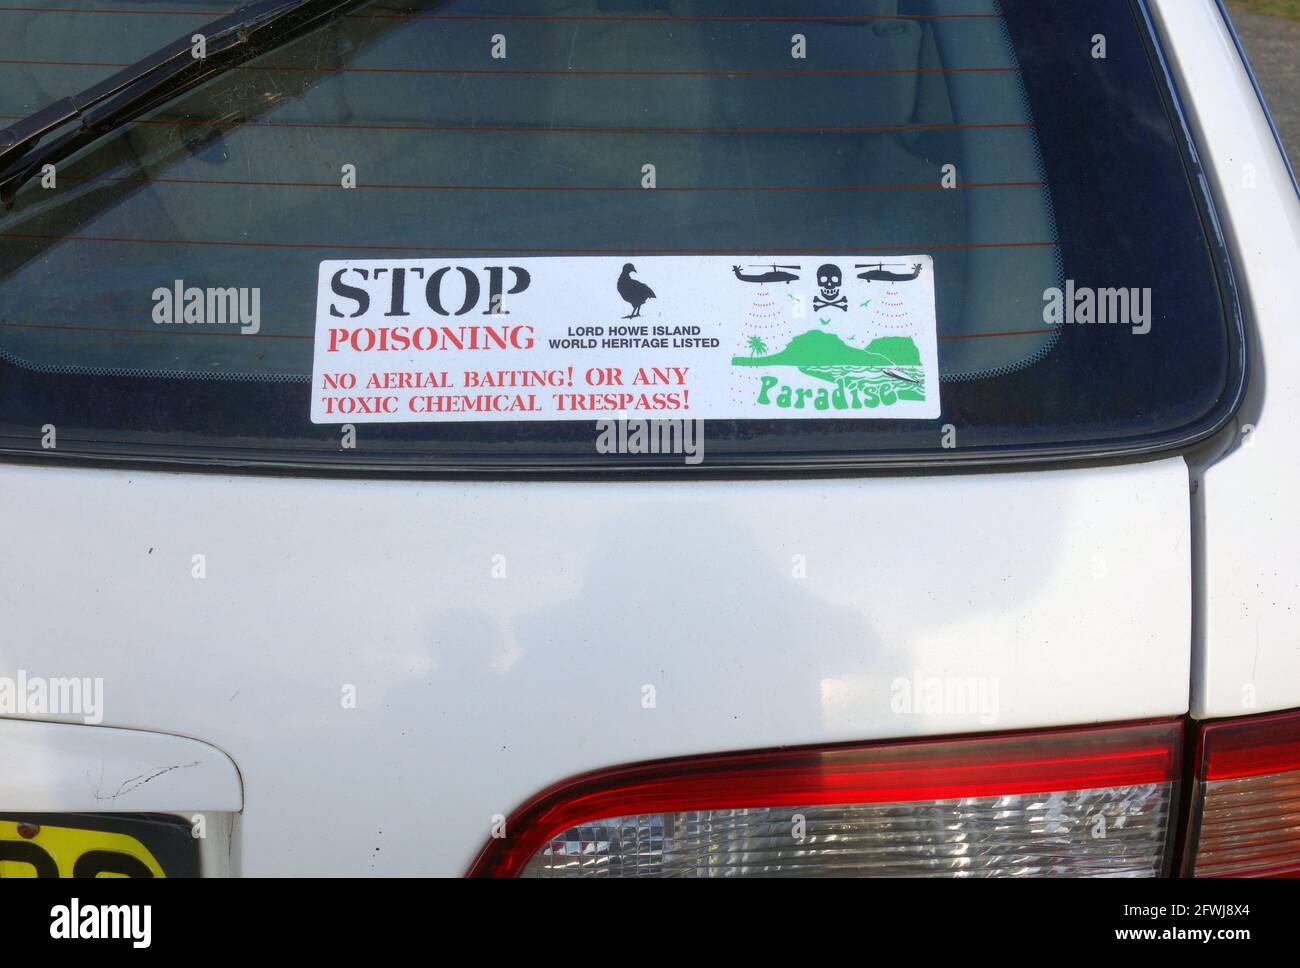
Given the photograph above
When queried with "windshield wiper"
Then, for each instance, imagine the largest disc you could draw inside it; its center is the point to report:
(246, 33)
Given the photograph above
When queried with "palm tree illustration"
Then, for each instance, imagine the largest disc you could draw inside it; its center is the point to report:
(756, 346)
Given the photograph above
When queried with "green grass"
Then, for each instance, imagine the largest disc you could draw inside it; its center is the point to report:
(1274, 8)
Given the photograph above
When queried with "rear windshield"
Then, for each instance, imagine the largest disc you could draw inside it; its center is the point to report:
(467, 234)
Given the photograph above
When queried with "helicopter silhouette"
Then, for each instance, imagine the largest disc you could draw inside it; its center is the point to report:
(878, 273)
(775, 275)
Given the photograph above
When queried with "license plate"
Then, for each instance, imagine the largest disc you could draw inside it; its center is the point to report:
(96, 845)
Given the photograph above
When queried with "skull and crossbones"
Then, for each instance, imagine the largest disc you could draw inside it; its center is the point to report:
(829, 279)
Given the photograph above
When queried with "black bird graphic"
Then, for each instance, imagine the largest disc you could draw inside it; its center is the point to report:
(633, 291)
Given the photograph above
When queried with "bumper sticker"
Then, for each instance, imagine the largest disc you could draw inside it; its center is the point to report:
(705, 337)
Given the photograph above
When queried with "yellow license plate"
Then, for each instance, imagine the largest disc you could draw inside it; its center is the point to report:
(96, 845)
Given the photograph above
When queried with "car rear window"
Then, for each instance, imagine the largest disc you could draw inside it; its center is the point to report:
(1025, 153)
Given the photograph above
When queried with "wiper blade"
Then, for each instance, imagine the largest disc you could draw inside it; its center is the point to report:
(246, 33)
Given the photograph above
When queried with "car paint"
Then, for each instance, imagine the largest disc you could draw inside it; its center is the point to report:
(1247, 646)
(500, 636)
(71, 768)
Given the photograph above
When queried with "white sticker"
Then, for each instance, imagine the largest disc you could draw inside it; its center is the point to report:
(705, 337)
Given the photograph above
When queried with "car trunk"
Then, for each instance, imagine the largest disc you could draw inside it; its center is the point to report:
(392, 664)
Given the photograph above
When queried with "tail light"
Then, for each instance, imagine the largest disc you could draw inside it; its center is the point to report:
(1072, 802)
(1245, 815)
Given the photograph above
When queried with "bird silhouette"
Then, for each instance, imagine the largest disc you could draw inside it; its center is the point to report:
(634, 292)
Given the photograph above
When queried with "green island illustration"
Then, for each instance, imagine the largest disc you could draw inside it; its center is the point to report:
(888, 370)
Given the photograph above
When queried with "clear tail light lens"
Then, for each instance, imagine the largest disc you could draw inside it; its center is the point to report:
(1074, 802)
(1033, 834)
(1245, 815)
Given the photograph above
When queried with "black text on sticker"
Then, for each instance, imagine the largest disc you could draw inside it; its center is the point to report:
(447, 290)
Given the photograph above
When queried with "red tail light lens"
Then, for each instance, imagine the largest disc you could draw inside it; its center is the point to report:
(1245, 817)
(1078, 802)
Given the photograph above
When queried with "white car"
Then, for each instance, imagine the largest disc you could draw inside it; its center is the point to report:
(646, 439)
